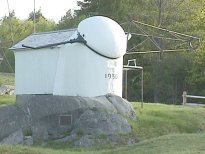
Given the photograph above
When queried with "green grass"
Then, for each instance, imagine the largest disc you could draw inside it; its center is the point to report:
(7, 79)
(157, 119)
(160, 129)
(169, 144)
(7, 99)
(154, 120)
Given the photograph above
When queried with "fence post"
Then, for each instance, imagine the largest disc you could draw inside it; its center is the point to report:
(184, 97)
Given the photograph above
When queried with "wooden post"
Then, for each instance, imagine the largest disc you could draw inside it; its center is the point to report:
(142, 88)
(125, 84)
(184, 96)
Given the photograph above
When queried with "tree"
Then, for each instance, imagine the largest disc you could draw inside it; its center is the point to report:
(44, 25)
(118, 10)
(38, 15)
(195, 80)
(70, 20)
(12, 30)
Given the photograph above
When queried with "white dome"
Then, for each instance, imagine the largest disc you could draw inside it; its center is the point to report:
(104, 35)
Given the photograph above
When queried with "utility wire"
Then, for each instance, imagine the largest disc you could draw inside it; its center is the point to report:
(138, 45)
(183, 38)
(155, 51)
(150, 38)
(160, 37)
(166, 30)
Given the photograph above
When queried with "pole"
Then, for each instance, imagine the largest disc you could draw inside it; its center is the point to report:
(125, 84)
(184, 96)
(34, 17)
(142, 99)
(10, 23)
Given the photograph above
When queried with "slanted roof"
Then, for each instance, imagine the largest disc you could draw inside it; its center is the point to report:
(45, 38)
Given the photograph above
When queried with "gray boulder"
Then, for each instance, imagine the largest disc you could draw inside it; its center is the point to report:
(97, 123)
(66, 118)
(12, 119)
(14, 138)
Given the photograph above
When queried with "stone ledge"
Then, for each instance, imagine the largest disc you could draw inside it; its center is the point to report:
(40, 114)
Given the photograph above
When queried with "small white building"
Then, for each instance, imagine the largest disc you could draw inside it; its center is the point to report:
(86, 61)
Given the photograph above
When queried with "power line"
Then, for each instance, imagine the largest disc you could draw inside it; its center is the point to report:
(183, 39)
(155, 51)
(160, 37)
(166, 30)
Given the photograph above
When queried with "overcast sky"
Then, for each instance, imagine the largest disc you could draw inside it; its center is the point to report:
(51, 9)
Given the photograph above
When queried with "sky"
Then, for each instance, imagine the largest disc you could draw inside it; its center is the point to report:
(51, 9)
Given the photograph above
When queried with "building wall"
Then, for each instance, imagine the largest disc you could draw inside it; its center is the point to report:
(81, 72)
(35, 71)
(72, 70)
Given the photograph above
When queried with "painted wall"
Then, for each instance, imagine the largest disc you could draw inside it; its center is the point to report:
(81, 72)
(72, 70)
(35, 71)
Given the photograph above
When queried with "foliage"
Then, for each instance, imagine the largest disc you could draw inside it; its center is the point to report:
(13, 30)
(118, 10)
(69, 20)
(38, 15)
(195, 78)
(44, 25)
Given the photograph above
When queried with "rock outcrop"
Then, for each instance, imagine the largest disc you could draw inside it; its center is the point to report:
(79, 120)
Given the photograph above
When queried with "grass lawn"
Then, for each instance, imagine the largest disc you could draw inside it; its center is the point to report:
(7, 99)
(157, 119)
(169, 144)
(160, 129)
(7, 79)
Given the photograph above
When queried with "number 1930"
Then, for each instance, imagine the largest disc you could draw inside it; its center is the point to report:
(111, 76)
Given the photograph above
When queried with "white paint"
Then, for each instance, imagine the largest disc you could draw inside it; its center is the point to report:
(35, 71)
(81, 72)
(104, 35)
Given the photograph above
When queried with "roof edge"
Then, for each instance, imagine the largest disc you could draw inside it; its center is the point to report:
(56, 31)
(13, 48)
